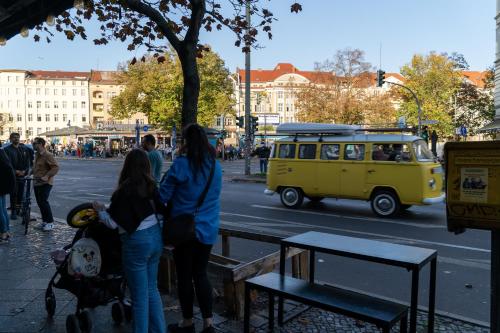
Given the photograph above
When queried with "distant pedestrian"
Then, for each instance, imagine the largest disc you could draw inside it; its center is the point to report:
(263, 153)
(434, 140)
(154, 156)
(182, 187)
(19, 157)
(7, 184)
(44, 170)
(136, 211)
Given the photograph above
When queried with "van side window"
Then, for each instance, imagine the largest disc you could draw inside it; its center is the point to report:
(273, 151)
(330, 152)
(307, 152)
(354, 152)
(287, 151)
(391, 152)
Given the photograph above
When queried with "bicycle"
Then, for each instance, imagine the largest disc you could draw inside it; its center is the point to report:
(26, 203)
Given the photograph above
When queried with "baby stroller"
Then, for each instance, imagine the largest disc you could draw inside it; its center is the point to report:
(106, 285)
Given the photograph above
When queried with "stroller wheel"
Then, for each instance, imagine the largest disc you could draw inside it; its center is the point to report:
(50, 302)
(118, 312)
(85, 319)
(128, 312)
(72, 324)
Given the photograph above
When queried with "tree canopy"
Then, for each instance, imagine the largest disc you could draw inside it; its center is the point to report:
(160, 24)
(341, 93)
(155, 89)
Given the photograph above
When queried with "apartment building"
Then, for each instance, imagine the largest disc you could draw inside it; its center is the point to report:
(40, 101)
(103, 87)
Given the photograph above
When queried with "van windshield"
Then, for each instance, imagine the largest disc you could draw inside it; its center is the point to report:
(422, 152)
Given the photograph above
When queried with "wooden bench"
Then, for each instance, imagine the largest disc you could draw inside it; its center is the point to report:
(384, 314)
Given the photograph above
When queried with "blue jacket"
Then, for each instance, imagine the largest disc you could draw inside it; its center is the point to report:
(183, 189)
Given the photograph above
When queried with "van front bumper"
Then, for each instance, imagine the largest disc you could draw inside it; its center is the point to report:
(435, 200)
(268, 192)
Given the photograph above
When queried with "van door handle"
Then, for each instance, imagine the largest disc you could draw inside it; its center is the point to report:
(371, 170)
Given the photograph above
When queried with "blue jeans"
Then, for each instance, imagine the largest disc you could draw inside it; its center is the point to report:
(141, 253)
(4, 216)
(263, 165)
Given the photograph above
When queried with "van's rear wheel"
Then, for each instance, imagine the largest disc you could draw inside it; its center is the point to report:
(385, 204)
(291, 197)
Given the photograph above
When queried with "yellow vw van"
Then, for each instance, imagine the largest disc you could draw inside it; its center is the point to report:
(392, 171)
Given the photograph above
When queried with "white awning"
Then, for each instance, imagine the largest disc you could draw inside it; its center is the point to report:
(492, 127)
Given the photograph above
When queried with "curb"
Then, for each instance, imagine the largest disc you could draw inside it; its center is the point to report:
(248, 180)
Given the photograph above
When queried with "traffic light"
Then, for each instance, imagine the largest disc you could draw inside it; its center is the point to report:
(380, 78)
(240, 121)
(254, 121)
(223, 134)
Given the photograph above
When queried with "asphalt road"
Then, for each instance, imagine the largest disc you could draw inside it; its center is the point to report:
(464, 260)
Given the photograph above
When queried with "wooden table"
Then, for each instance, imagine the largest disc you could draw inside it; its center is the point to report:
(409, 257)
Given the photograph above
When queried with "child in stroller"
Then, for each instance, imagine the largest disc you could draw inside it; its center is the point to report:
(106, 286)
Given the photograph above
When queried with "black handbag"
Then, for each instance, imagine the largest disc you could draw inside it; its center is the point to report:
(181, 228)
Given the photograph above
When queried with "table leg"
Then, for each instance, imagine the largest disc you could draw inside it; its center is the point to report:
(414, 300)
(312, 263)
(246, 320)
(271, 311)
(432, 296)
(282, 272)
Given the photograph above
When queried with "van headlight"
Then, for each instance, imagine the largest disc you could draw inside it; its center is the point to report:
(432, 184)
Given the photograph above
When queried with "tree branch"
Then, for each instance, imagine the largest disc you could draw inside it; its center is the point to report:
(197, 13)
(156, 17)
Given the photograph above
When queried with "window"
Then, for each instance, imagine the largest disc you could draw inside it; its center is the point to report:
(38, 104)
(63, 83)
(8, 78)
(287, 151)
(56, 105)
(56, 117)
(38, 117)
(18, 104)
(47, 129)
(47, 117)
(18, 91)
(17, 78)
(19, 117)
(38, 131)
(422, 152)
(19, 130)
(30, 117)
(84, 119)
(330, 152)
(82, 92)
(280, 94)
(55, 92)
(307, 152)
(74, 118)
(47, 104)
(11, 118)
(65, 117)
(82, 83)
(9, 104)
(84, 105)
(47, 91)
(30, 91)
(354, 152)
(280, 107)
(30, 104)
(63, 91)
(64, 104)
(391, 152)
(37, 91)
(75, 104)
(74, 92)
(30, 130)
(74, 83)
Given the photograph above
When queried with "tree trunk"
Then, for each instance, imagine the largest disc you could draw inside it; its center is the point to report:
(191, 90)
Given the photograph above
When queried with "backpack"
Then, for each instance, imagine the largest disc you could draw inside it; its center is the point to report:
(85, 258)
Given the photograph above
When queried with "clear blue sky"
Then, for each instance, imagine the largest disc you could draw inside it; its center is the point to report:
(403, 27)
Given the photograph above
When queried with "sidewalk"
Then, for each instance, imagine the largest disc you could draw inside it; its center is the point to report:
(26, 268)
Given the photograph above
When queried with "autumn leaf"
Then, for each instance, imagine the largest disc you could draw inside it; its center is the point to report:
(295, 8)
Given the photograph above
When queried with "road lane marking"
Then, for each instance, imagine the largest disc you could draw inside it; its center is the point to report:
(412, 224)
(394, 239)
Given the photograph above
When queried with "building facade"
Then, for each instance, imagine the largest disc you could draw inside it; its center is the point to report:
(40, 101)
(103, 87)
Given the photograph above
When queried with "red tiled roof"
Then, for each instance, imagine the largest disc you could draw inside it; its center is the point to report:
(259, 75)
(476, 78)
(103, 77)
(59, 75)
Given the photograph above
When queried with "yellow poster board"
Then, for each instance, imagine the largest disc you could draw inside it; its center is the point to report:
(473, 185)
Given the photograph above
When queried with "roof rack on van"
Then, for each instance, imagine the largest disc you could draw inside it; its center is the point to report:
(316, 129)
(388, 129)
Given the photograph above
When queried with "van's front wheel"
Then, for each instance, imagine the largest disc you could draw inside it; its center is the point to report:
(385, 204)
(291, 197)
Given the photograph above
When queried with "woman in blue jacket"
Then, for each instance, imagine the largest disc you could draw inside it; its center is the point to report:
(181, 187)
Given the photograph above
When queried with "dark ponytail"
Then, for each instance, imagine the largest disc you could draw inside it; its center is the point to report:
(196, 147)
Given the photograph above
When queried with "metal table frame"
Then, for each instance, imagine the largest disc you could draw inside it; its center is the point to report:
(411, 265)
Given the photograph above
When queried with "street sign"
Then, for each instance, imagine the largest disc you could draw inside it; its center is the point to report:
(145, 128)
(429, 122)
(268, 119)
(402, 122)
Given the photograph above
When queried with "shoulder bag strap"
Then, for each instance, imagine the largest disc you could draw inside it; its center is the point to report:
(205, 191)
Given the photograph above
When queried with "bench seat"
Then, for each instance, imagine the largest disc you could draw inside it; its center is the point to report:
(382, 313)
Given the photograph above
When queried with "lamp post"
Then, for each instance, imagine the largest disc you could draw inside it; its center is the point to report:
(137, 133)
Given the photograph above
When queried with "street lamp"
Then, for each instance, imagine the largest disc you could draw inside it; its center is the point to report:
(137, 133)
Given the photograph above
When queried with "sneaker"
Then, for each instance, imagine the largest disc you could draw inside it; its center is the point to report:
(48, 227)
(175, 328)
(41, 226)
